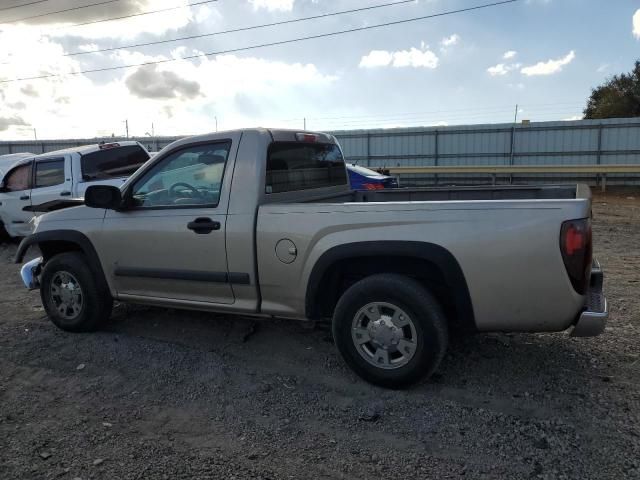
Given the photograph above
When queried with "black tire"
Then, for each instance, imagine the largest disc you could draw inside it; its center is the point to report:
(427, 317)
(96, 303)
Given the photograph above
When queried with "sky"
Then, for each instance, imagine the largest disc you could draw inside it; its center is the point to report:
(474, 67)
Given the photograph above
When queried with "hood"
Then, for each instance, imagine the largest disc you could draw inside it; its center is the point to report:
(68, 216)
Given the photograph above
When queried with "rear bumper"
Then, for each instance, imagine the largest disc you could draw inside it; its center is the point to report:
(593, 318)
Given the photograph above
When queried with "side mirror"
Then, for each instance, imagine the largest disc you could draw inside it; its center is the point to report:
(103, 196)
(3, 187)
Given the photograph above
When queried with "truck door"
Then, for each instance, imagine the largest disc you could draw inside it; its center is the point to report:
(51, 179)
(170, 242)
(15, 195)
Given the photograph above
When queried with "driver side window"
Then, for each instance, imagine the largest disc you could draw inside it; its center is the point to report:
(188, 177)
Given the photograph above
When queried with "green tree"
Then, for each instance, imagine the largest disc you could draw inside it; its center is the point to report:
(618, 97)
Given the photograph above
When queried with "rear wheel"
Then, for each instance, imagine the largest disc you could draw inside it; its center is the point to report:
(72, 297)
(390, 330)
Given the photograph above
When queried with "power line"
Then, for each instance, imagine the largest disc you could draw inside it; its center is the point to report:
(150, 12)
(241, 29)
(23, 5)
(270, 44)
(104, 2)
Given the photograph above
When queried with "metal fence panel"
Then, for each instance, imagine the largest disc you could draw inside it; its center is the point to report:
(582, 142)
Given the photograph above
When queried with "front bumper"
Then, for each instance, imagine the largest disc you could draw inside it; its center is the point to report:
(593, 318)
(29, 273)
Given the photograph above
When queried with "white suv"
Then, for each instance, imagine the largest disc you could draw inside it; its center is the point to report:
(64, 174)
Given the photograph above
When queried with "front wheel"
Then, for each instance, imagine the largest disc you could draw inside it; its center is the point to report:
(390, 330)
(73, 298)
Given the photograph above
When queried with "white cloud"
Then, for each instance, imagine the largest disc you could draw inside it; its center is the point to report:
(173, 95)
(150, 82)
(203, 13)
(271, 5)
(450, 40)
(509, 54)
(413, 57)
(602, 68)
(7, 122)
(126, 28)
(573, 118)
(636, 24)
(550, 66)
(502, 69)
(498, 70)
(88, 47)
(376, 58)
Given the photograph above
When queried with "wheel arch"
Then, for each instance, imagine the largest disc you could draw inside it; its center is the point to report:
(433, 265)
(53, 242)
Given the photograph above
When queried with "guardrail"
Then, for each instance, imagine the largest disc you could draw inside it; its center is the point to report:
(600, 171)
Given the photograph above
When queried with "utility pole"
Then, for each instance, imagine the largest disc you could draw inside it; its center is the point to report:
(515, 116)
(126, 126)
(153, 133)
(304, 123)
(35, 135)
(216, 118)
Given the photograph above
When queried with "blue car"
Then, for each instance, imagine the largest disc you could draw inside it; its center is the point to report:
(362, 178)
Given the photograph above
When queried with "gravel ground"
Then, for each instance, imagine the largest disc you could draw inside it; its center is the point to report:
(180, 395)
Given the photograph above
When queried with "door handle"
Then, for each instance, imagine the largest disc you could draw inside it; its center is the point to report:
(24, 197)
(203, 225)
(65, 194)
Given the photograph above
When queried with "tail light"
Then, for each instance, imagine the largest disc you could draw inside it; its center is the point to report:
(373, 186)
(307, 137)
(576, 248)
(107, 146)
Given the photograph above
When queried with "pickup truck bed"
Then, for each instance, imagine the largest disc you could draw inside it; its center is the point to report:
(462, 222)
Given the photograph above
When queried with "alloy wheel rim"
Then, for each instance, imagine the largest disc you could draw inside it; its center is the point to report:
(66, 295)
(384, 335)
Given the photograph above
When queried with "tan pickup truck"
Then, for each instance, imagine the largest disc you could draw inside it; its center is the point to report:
(264, 222)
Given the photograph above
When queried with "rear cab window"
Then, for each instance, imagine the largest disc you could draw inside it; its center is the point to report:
(294, 166)
(113, 162)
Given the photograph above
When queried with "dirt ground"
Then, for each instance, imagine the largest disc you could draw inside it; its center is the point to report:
(163, 394)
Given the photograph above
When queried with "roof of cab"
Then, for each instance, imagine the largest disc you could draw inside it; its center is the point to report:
(12, 157)
(277, 134)
(85, 149)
